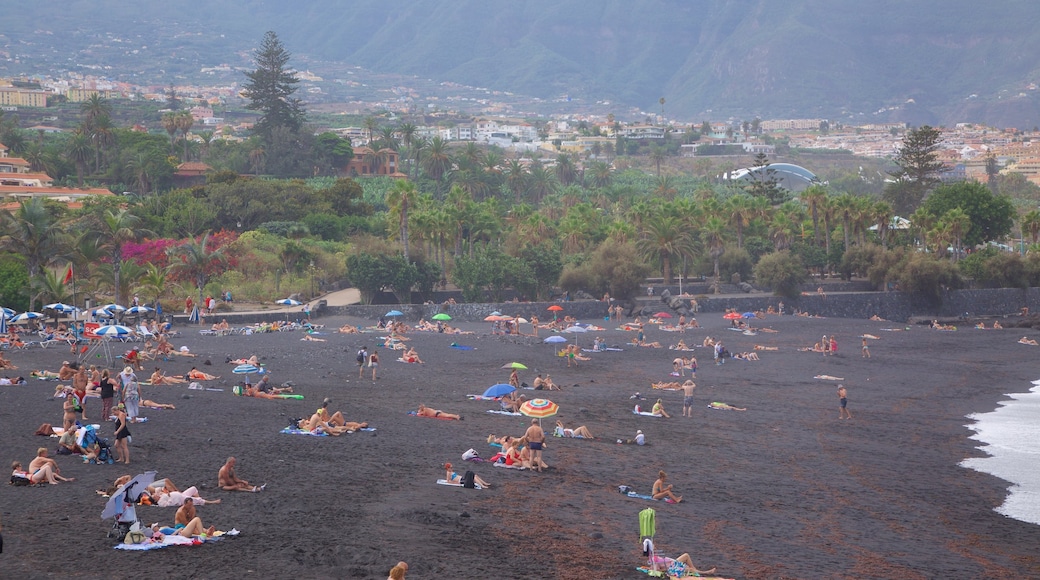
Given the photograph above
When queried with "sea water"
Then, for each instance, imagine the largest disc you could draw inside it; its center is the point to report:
(1011, 435)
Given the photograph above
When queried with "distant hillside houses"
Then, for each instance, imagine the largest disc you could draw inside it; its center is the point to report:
(18, 182)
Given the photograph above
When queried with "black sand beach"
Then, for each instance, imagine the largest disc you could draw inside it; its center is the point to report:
(783, 490)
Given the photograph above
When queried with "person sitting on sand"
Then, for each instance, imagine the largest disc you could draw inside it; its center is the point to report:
(681, 345)
(338, 420)
(680, 567)
(658, 410)
(67, 444)
(512, 456)
(511, 402)
(545, 384)
(66, 372)
(188, 523)
(997, 325)
(318, 423)
(877, 318)
(221, 326)
(43, 374)
(44, 463)
(662, 490)
(525, 456)
(35, 476)
(159, 378)
(580, 432)
(1029, 341)
(424, 411)
(252, 391)
(452, 477)
(6, 364)
(265, 386)
(229, 481)
(196, 375)
(410, 356)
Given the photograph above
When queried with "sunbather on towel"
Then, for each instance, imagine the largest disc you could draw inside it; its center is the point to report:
(452, 477)
(188, 524)
(196, 375)
(424, 411)
(582, 431)
(160, 378)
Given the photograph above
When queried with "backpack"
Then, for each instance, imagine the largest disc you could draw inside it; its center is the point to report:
(361, 356)
(468, 480)
(20, 481)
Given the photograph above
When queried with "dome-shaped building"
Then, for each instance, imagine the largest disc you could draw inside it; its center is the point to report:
(787, 175)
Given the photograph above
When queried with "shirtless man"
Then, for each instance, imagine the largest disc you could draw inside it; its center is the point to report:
(228, 481)
(843, 399)
(79, 390)
(687, 402)
(45, 464)
(188, 523)
(66, 372)
(535, 441)
(424, 411)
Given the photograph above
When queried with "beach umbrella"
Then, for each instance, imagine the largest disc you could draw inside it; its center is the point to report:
(288, 302)
(194, 317)
(3, 325)
(114, 331)
(521, 320)
(138, 310)
(394, 313)
(126, 496)
(662, 314)
(59, 307)
(748, 315)
(540, 408)
(26, 316)
(732, 316)
(7, 312)
(102, 313)
(246, 369)
(555, 308)
(575, 328)
(113, 307)
(496, 313)
(555, 339)
(492, 318)
(514, 365)
(441, 316)
(499, 390)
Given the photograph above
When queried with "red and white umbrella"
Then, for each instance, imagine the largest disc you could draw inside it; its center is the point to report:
(539, 408)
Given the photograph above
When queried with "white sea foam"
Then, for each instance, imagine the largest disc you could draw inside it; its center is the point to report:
(1011, 437)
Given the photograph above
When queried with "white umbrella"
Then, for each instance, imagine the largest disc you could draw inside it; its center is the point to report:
(288, 302)
(138, 310)
(576, 330)
(7, 312)
(26, 316)
(3, 325)
(113, 307)
(121, 504)
(114, 331)
(102, 313)
(59, 307)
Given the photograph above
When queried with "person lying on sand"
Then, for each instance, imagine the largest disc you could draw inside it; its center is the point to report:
(452, 477)
(153, 405)
(878, 318)
(318, 423)
(1029, 341)
(229, 481)
(760, 347)
(160, 378)
(196, 375)
(725, 407)
(674, 568)
(251, 391)
(746, 356)
(562, 431)
(424, 411)
(662, 490)
(505, 441)
(312, 338)
(870, 336)
(829, 378)
(43, 374)
(667, 386)
(349, 329)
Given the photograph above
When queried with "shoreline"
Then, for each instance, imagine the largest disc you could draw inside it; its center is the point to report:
(783, 490)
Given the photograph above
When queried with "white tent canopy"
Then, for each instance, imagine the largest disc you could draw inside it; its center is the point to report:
(898, 223)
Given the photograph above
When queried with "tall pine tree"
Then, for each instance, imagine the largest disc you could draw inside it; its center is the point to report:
(918, 169)
(270, 90)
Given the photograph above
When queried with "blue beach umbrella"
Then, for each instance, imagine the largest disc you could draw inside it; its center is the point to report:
(245, 369)
(114, 331)
(113, 307)
(26, 316)
(194, 316)
(499, 390)
(394, 313)
(7, 312)
(288, 302)
(138, 310)
(3, 325)
(555, 339)
(59, 307)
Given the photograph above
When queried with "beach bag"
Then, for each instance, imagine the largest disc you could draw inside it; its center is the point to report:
(20, 481)
(134, 537)
(468, 480)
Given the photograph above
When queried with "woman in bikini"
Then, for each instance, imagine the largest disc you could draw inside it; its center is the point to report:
(452, 477)
(158, 378)
(662, 490)
(197, 375)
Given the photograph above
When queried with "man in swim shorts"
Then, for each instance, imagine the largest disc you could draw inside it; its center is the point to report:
(687, 403)
(843, 411)
(536, 441)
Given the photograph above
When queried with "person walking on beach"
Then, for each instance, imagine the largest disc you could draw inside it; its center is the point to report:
(362, 358)
(843, 398)
(866, 351)
(535, 441)
(687, 403)
(373, 363)
(834, 345)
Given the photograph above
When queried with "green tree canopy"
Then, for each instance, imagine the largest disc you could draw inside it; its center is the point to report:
(270, 89)
(918, 169)
(992, 216)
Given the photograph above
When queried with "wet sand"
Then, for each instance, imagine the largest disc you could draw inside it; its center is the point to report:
(783, 490)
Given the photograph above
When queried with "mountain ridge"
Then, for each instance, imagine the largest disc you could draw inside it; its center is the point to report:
(848, 61)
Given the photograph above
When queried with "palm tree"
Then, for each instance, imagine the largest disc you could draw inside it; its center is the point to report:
(657, 155)
(741, 211)
(565, 171)
(664, 187)
(196, 261)
(140, 166)
(813, 197)
(1031, 224)
(79, 152)
(541, 182)
(400, 198)
(115, 230)
(388, 138)
(665, 237)
(437, 161)
(845, 208)
(713, 234)
(882, 213)
(922, 221)
(184, 122)
(153, 281)
(102, 133)
(516, 178)
(371, 125)
(169, 122)
(601, 174)
(257, 159)
(781, 229)
(959, 222)
(32, 233)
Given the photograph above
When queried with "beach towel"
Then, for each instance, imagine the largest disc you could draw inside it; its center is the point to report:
(828, 378)
(461, 347)
(646, 570)
(169, 539)
(513, 466)
(500, 412)
(453, 484)
(645, 413)
(482, 398)
(647, 523)
(646, 497)
(721, 406)
(296, 431)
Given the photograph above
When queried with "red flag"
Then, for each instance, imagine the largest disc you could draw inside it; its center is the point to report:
(68, 275)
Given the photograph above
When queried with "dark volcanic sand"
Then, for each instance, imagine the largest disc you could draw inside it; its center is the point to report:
(784, 490)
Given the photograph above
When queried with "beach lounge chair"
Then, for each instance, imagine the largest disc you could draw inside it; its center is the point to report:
(143, 331)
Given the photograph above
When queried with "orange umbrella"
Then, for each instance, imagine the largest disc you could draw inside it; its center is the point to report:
(555, 308)
(540, 408)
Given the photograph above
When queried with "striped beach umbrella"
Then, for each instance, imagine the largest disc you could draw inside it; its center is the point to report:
(539, 408)
(245, 369)
(26, 316)
(288, 302)
(114, 331)
(7, 312)
(3, 325)
(138, 310)
(194, 316)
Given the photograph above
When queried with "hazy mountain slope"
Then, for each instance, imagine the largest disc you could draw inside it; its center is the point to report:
(830, 58)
